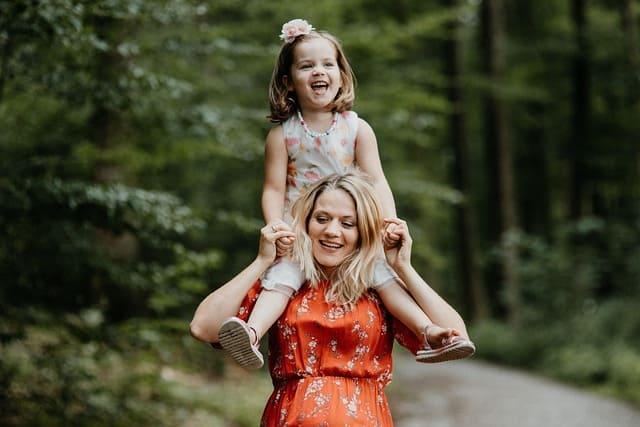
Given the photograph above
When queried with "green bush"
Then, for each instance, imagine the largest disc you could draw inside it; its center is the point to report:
(624, 372)
(76, 369)
(498, 342)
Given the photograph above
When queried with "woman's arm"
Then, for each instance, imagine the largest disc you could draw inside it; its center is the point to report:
(225, 301)
(434, 306)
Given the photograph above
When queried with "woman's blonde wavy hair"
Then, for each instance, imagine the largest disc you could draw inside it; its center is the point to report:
(354, 275)
(283, 103)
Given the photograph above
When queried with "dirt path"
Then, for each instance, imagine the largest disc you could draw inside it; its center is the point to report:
(475, 394)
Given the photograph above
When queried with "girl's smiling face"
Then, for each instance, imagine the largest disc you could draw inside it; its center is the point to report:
(315, 74)
(333, 228)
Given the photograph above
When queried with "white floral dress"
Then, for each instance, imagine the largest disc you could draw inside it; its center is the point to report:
(312, 157)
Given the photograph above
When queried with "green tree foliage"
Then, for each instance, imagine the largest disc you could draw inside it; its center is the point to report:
(83, 250)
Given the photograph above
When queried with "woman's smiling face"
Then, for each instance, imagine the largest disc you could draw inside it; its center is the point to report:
(333, 228)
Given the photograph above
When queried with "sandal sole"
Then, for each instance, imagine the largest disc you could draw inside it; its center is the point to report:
(454, 351)
(235, 340)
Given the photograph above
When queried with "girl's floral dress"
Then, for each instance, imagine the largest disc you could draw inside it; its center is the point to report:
(311, 157)
(330, 365)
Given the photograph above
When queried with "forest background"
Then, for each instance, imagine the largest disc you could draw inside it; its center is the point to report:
(131, 148)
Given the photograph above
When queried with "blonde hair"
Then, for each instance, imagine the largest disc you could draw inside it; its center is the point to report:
(354, 275)
(282, 102)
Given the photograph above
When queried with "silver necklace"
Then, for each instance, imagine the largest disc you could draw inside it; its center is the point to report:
(313, 134)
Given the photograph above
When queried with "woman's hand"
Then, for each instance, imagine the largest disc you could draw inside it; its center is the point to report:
(272, 233)
(284, 245)
(397, 243)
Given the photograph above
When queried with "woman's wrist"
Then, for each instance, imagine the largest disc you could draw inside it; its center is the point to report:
(263, 261)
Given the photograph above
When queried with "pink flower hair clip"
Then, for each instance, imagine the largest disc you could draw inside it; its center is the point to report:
(295, 28)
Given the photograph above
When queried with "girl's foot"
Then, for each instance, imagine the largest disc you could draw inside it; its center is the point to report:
(241, 342)
(451, 348)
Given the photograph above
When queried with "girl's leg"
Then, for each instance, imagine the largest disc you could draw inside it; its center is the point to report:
(242, 339)
(269, 307)
(440, 344)
(403, 307)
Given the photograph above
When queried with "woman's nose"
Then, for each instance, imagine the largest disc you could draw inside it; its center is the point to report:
(333, 228)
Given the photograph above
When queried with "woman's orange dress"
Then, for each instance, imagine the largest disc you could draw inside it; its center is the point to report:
(329, 366)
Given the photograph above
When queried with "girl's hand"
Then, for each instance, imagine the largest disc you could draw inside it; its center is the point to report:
(398, 251)
(271, 233)
(390, 238)
(284, 245)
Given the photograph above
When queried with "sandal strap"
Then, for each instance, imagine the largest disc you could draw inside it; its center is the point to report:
(254, 339)
(425, 335)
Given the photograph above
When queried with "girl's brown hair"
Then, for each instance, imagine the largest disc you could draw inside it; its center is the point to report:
(282, 102)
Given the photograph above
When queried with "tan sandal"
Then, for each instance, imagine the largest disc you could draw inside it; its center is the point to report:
(453, 348)
(235, 337)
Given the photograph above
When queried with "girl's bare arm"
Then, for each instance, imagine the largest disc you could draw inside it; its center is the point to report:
(275, 176)
(368, 159)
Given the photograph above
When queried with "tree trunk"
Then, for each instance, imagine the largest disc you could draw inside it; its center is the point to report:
(534, 176)
(630, 29)
(102, 130)
(4, 67)
(626, 202)
(468, 273)
(499, 156)
(579, 141)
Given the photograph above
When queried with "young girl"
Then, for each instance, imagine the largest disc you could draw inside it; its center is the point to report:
(311, 94)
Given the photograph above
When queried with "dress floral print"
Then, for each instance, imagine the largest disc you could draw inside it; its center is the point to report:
(329, 365)
(311, 157)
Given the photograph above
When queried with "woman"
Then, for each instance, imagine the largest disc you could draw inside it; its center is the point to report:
(330, 351)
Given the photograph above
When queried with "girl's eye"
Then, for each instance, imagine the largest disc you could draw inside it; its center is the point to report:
(329, 64)
(322, 219)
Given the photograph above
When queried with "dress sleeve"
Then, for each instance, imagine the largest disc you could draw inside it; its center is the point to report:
(246, 306)
(405, 336)
(249, 301)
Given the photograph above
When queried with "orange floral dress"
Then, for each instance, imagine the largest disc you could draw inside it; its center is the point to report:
(329, 365)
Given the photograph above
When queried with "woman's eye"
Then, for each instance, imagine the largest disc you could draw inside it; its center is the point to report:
(348, 224)
(322, 219)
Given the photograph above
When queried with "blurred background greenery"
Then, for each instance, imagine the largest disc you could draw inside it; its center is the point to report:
(131, 138)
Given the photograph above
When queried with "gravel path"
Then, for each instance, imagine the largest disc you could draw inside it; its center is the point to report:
(476, 394)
